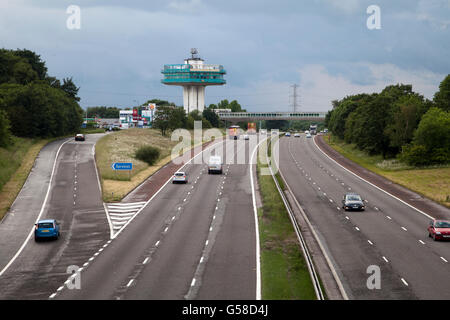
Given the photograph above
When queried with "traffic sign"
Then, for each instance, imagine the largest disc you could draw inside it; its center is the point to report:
(122, 166)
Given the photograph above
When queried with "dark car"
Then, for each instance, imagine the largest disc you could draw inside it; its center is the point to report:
(439, 230)
(48, 228)
(353, 201)
(80, 137)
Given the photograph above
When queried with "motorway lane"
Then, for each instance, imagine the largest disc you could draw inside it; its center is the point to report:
(158, 254)
(75, 201)
(387, 230)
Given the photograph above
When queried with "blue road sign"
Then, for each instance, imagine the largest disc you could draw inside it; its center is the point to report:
(122, 166)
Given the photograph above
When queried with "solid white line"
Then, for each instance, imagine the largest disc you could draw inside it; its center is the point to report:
(255, 213)
(420, 211)
(40, 212)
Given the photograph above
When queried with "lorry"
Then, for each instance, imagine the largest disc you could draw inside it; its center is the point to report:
(313, 129)
(233, 132)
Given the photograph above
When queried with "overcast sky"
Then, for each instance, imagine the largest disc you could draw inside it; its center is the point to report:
(324, 46)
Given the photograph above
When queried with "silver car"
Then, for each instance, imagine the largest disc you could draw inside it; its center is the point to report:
(179, 177)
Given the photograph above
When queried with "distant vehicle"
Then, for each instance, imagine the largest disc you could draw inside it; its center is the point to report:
(308, 135)
(48, 228)
(296, 135)
(313, 129)
(325, 130)
(246, 137)
(233, 132)
(80, 137)
(352, 201)
(179, 177)
(439, 230)
(288, 134)
(215, 164)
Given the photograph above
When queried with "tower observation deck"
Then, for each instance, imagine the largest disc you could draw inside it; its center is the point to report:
(194, 75)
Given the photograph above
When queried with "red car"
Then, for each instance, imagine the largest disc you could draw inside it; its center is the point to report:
(439, 230)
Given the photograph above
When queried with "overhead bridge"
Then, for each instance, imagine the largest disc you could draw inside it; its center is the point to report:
(250, 116)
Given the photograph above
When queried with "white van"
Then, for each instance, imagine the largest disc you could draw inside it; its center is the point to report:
(215, 164)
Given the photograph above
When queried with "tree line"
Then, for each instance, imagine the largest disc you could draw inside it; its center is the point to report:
(34, 104)
(397, 122)
(169, 117)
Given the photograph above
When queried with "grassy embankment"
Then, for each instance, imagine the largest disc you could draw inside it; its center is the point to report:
(284, 273)
(16, 162)
(432, 182)
(121, 146)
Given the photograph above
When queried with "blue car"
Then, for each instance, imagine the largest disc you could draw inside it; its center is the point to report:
(48, 228)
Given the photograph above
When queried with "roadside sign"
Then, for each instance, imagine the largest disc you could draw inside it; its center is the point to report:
(122, 166)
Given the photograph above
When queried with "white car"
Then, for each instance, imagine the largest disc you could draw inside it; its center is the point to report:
(288, 134)
(308, 135)
(215, 164)
(246, 137)
(296, 135)
(179, 177)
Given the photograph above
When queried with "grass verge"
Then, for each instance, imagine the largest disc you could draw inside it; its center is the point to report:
(120, 146)
(284, 272)
(16, 162)
(432, 182)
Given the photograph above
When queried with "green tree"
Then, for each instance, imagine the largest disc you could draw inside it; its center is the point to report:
(405, 117)
(5, 135)
(70, 88)
(162, 118)
(433, 131)
(211, 117)
(442, 97)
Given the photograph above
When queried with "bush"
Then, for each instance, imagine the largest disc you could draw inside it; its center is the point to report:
(415, 155)
(147, 154)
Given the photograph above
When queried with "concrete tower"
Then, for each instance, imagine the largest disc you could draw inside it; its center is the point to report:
(194, 75)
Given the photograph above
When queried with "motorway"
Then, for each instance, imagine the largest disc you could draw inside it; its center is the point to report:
(389, 234)
(198, 240)
(189, 241)
(74, 199)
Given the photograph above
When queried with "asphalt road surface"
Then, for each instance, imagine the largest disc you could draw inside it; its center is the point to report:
(191, 241)
(75, 201)
(389, 234)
